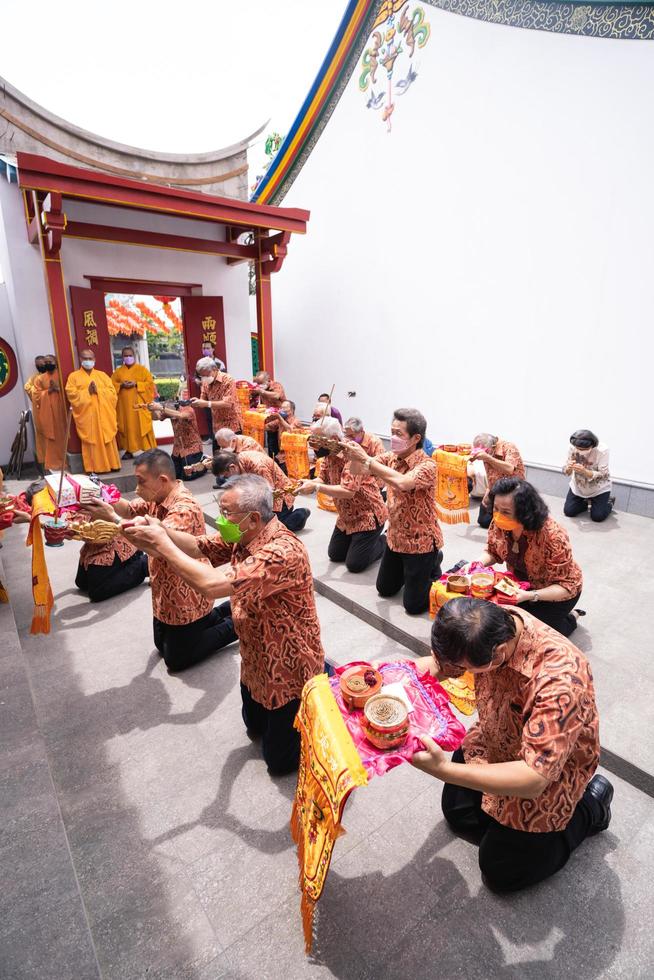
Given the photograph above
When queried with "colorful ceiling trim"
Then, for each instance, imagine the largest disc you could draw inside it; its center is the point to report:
(600, 19)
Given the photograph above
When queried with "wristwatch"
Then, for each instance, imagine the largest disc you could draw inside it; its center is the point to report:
(535, 597)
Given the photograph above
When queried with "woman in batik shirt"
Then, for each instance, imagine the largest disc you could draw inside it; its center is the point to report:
(537, 550)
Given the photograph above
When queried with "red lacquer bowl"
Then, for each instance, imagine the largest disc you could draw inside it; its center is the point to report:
(355, 690)
(385, 721)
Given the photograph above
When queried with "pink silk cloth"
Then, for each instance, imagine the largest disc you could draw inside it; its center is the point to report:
(431, 716)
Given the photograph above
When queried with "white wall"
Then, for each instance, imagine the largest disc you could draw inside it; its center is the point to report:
(489, 261)
(24, 317)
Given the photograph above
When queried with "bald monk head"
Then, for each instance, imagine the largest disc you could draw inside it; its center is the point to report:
(87, 359)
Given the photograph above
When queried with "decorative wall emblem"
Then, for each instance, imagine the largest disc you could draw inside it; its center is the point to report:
(388, 70)
(8, 368)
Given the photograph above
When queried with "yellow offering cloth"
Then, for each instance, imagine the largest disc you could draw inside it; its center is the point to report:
(253, 426)
(243, 395)
(50, 420)
(294, 445)
(134, 425)
(461, 692)
(451, 487)
(42, 503)
(95, 419)
(322, 499)
(330, 768)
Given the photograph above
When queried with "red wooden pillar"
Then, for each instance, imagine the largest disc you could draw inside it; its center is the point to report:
(264, 314)
(51, 226)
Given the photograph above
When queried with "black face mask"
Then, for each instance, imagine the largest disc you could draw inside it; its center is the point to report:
(320, 453)
(41, 369)
(50, 368)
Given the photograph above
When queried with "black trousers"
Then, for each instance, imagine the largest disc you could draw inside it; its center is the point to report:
(184, 646)
(280, 742)
(484, 517)
(181, 461)
(600, 506)
(513, 859)
(558, 615)
(294, 518)
(104, 581)
(415, 572)
(358, 550)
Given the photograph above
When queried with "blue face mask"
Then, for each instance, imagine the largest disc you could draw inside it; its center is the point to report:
(89, 365)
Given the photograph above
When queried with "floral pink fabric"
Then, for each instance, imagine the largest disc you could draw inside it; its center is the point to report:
(431, 715)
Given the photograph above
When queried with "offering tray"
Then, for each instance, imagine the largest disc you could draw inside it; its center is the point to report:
(430, 714)
(333, 446)
(291, 490)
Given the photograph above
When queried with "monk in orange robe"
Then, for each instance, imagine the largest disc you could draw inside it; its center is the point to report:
(50, 414)
(39, 364)
(134, 386)
(92, 396)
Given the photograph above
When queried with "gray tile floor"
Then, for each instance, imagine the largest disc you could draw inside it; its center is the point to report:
(142, 837)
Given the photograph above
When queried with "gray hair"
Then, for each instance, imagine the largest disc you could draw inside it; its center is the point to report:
(254, 494)
(225, 435)
(355, 424)
(328, 427)
(205, 364)
(322, 408)
(485, 439)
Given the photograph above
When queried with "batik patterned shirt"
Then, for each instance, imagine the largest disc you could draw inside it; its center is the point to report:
(508, 453)
(174, 602)
(186, 435)
(364, 511)
(539, 706)
(223, 387)
(274, 612)
(105, 554)
(245, 444)
(262, 465)
(275, 388)
(413, 527)
(372, 444)
(547, 557)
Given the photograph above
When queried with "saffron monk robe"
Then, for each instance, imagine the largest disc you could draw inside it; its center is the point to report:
(186, 627)
(270, 585)
(412, 556)
(523, 785)
(357, 538)
(39, 364)
(134, 386)
(50, 414)
(500, 458)
(227, 464)
(93, 399)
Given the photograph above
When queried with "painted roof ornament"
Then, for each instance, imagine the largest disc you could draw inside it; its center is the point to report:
(389, 54)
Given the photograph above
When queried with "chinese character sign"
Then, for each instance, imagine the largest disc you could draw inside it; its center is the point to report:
(209, 330)
(90, 325)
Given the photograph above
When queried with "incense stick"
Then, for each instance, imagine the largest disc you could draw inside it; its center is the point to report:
(329, 406)
(63, 461)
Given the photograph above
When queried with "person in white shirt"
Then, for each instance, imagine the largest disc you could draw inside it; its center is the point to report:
(587, 466)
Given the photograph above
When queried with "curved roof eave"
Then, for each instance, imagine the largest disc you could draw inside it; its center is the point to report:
(212, 156)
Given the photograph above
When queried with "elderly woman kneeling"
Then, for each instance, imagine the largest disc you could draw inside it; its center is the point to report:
(536, 549)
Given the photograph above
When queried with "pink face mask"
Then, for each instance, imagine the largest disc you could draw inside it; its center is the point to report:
(128, 360)
(399, 444)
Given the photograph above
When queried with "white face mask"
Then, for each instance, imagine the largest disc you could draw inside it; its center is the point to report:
(89, 365)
